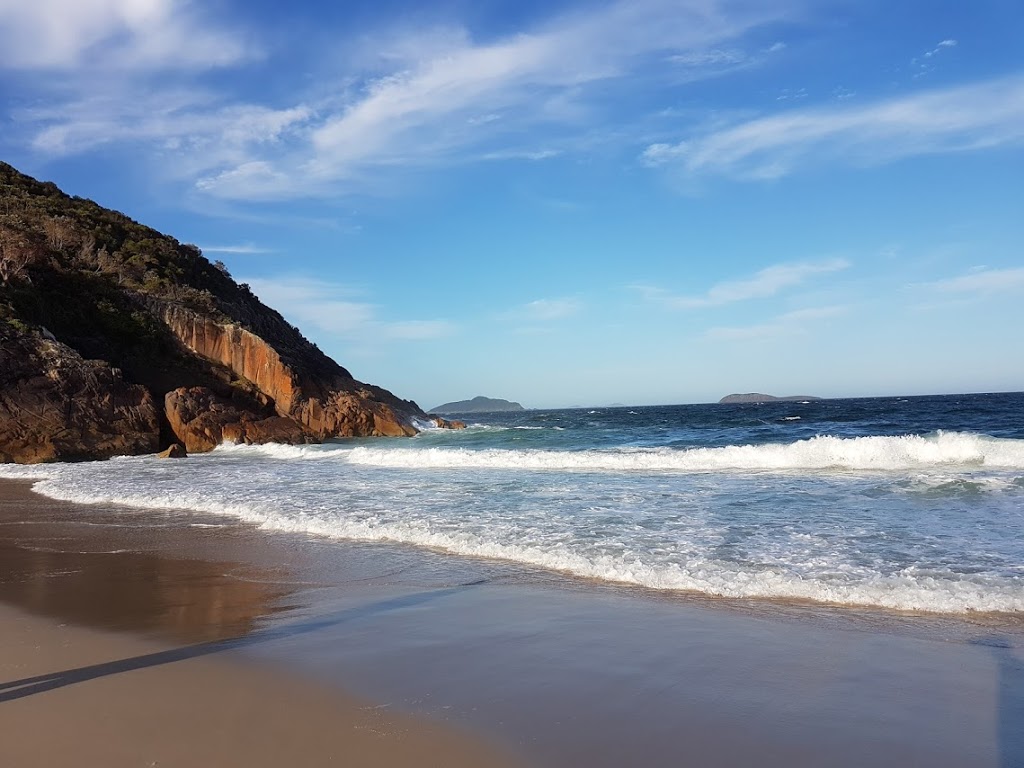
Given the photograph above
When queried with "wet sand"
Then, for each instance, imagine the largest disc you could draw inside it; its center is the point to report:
(176, 692)
(558, 671)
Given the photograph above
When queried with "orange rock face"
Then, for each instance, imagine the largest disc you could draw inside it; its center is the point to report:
(327, 402)
(201, 421)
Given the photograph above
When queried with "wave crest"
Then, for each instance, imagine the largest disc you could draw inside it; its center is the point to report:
(943, 449)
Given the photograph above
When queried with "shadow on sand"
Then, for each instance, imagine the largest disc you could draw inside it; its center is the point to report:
(1010, 700)
(29, 686)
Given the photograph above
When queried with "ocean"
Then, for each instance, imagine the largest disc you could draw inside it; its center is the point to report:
(896, 503)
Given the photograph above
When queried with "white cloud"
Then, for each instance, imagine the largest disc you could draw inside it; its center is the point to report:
(334, 309)
(766, 282)
(241, 248)
(186, 125)
(924, 64)
(133, 72)
(972, 117)
(982, 282)
(70, 34)
(715, 56)
(431, 108)
(788, 324)
(403, 101)
(549, 309)
(522, 154)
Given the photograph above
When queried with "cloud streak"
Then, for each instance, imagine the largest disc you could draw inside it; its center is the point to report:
(543, 310)
(788, 324)
(135, 73)
(979, 116)
(764, 283)
(241, 248)
(332, 309)
(98, 34)
(982, 282)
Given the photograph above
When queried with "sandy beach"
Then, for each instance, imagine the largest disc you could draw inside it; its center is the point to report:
(150, 638)
(173, 692)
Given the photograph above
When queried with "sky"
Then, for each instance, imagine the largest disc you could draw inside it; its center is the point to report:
(566, 203)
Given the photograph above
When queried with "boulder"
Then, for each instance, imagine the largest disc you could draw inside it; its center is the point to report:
(202, 420)
(447, 423)
(173, 451)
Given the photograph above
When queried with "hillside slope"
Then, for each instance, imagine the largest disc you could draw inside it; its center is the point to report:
(115, 338)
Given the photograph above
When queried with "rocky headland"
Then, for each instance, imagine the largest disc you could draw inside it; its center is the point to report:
(116, 339)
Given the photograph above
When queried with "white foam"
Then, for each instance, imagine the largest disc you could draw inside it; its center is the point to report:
(943, 449)
(282, 451)
(596, 527)
(909, 589)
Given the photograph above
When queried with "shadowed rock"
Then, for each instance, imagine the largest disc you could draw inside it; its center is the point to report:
(173, 451)
(56, 406)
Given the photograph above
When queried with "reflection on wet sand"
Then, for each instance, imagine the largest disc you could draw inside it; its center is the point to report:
(98, 578)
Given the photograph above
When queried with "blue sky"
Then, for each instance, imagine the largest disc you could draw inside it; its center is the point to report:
(566, 203)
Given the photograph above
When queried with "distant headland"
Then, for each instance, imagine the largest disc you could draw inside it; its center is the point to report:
(757, 397)
(478, 404)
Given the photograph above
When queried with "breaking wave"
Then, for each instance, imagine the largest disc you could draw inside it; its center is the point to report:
(943, 449)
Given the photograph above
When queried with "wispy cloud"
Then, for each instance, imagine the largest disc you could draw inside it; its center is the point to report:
(981, 282)
(336, 310)
(241, 248)
(924, 63)
(766, 282)
(114, 34)
(403, 100)
(973, 117)
(788, 324)
(542, 310)
(430, 111)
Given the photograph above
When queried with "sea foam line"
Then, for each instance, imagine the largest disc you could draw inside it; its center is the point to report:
(943, 449)
(907, 590)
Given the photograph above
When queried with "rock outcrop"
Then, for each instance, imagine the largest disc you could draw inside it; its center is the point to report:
(329, 403)
(148, 344)
(56, 406)
(201, 421)
(173, 451)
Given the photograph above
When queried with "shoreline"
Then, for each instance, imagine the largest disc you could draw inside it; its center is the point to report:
(134, 660)
(556, 670)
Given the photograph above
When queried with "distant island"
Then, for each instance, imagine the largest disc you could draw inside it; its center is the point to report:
(757, 397)
(478, 404)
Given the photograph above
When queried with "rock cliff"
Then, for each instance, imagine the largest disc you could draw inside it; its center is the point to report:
(117, 339)
(56, 406)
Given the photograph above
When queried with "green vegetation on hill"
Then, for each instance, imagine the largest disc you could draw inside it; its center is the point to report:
(115, 338)
(89, 275)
